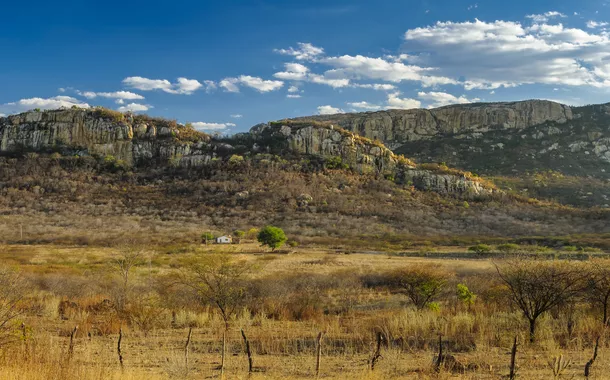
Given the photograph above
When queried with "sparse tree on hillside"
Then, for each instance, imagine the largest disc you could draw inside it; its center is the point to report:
(273, 237)
(537, 286)
(421, 283)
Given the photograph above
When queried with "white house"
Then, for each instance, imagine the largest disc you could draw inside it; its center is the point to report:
(224, 240)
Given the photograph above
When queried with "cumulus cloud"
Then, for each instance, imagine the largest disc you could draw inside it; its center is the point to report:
(200, 125)
(294, 71)
(293, 96)
(490, 55)
(237, 116)
(544, 17)
(259, 84)
(334, 83)
(439, 99)
(182, 86)
(594, 24)
(362, 67)
(60, 101)
(364, 106)
(125, 95)
(396, 102)
(2, 114)
(293, 89)
(134, 107)
(304, 52)
(329, 110)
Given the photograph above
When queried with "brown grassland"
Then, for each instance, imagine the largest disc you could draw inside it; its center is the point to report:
(291, 297)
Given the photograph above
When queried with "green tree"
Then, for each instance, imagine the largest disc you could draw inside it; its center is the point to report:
(239, 233)
(207, 236)
(421, 283)
(480, 249)
(273, 237)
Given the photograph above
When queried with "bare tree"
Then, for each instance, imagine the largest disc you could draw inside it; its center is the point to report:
(123, 266)
(597, 290)
(537, 286)
(12, 290)
(219, 281)
(421, 283)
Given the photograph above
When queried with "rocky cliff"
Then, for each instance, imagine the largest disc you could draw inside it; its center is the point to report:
(132, 139)
(141, 140)
(341, 147)
(396, 127)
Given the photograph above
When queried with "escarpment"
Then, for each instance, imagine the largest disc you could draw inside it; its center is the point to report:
(132, 139)
(141, 140)
(395, 127)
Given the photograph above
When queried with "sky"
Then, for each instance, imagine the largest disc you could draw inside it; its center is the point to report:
(227, 65)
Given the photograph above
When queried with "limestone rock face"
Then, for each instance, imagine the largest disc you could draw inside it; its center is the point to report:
(85, 131)
(394, 127)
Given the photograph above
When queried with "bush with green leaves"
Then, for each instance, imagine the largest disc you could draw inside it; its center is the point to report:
(421, 283)
(207, 236)
(273, 237)
(465, 295)
(480, 249)
(509, 248)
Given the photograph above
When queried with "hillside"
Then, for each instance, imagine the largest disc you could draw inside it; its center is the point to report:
(93, 176)
(521, 142)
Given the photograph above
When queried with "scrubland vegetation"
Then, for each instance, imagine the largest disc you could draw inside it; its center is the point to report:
(63, 310)
(374, 277)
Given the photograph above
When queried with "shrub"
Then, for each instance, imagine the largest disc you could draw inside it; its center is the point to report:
(480, 249)
(421, 283)
(274, 237)
(465, 295)
(508, 248)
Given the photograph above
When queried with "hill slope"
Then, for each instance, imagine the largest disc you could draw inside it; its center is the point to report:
(504, 139)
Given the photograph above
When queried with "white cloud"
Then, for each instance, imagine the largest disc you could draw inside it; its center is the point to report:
(211, 126)
(396, 102)
(134, 107)
(490, 55)
(293, 96)
(2, 114)
(293, 89)
(364, 106)
(361, 67)
(322, 79)
(294, 71)
(259, 84)
(439, 99)
(182, 86)
(209, 85)
(61, 89)
(329, 110)
(112, 95)
(229, 84)
(43, 103)
(545, 16)
(376, 86)
(237, 116)
(304, 52)
(119, 101)
(594, 24)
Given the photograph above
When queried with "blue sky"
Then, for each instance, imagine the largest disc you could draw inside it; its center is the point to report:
(227, 65)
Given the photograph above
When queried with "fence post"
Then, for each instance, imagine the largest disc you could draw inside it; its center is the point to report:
(319, 353)
(248, 352)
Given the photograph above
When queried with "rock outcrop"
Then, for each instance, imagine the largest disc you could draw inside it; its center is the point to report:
(364, 156)
(94, 131)
(395, 127)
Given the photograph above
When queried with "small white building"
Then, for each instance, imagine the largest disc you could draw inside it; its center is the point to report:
(224, 240)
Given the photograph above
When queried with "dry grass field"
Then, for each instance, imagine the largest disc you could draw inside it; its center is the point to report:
(292, 297)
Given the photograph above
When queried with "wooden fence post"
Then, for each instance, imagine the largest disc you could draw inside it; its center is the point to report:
(513, 360)
(118, 347)
(186, 349)
(248, 352)
(319, 353)
(592, 360)
(377, 353)
(71, 346)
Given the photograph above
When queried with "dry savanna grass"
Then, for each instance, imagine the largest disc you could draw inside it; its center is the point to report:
(284, 301)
